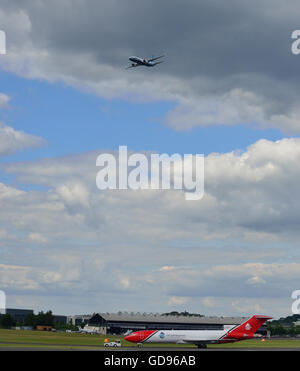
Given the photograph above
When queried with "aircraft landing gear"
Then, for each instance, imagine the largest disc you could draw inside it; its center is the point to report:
(201, 346)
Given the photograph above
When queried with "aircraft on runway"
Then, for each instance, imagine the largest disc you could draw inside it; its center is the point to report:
(89, 330)
(137, 61)
(230, 334)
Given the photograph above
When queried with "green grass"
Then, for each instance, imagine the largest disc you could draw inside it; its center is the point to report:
(16, 339)
(50, 338)
(272, 343)
(37, 346)
(60, 339)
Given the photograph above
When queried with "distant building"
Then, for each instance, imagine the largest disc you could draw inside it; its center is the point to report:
(79, 319)
(111, 323)
(63, 320)
(43, 328)
(18, 315)
(27, 328)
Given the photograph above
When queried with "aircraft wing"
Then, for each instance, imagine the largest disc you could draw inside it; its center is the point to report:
(154, 64)
(136, 65)
(154, 59)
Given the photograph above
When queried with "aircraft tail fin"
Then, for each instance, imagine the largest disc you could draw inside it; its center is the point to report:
(248, 328)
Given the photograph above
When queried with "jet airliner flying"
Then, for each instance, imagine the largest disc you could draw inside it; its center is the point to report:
(230, 334)
(137, 61)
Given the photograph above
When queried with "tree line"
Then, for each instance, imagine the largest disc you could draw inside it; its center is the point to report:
(34, 320)
(285, 326)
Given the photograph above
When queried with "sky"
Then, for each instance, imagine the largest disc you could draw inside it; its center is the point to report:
(228, 88)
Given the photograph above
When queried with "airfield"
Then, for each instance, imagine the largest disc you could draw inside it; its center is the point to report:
(60, 341)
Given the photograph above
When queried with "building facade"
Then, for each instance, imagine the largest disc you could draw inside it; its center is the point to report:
(60, 319)
(18, 315)
(79, 319)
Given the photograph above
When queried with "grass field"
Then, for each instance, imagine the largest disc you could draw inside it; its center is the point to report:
(62, 340)
(19, 338)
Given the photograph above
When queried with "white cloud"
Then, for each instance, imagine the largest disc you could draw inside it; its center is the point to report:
(177, 301)
(209, 302)
(236, 250)
(231, 108)
(256, 280)
(247, 306)
(26, 278)
(166, 268)
(222, 82)
(74, 194)
(9, 193)
(133, 246)
(13, 140)
(4, 100)
(37, 237)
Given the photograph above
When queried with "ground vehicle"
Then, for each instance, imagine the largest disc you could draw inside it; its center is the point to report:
(115, 344)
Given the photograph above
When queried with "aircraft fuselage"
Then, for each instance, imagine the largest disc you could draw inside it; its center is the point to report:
(141, 62)
(230, 333)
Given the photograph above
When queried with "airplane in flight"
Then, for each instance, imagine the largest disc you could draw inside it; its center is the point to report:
(230, 334)
(137, 61)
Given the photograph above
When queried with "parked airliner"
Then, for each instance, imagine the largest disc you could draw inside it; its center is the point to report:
(230, 333)
(137, 61)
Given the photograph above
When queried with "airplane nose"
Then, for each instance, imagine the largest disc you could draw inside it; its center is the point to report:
(139, 336)
(132, 338)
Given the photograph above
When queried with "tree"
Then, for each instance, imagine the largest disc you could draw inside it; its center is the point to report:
(45, 319)
(277, 330)
(30, 320)
(65, 326)
(49, 319)
(297, 330)
(7, 321)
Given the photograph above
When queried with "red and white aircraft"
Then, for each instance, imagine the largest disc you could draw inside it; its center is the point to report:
(229, 334)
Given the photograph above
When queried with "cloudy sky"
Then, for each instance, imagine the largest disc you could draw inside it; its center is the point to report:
(229, 89)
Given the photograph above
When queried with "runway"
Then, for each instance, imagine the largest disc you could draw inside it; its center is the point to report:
(149, 350)
(201, 350)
